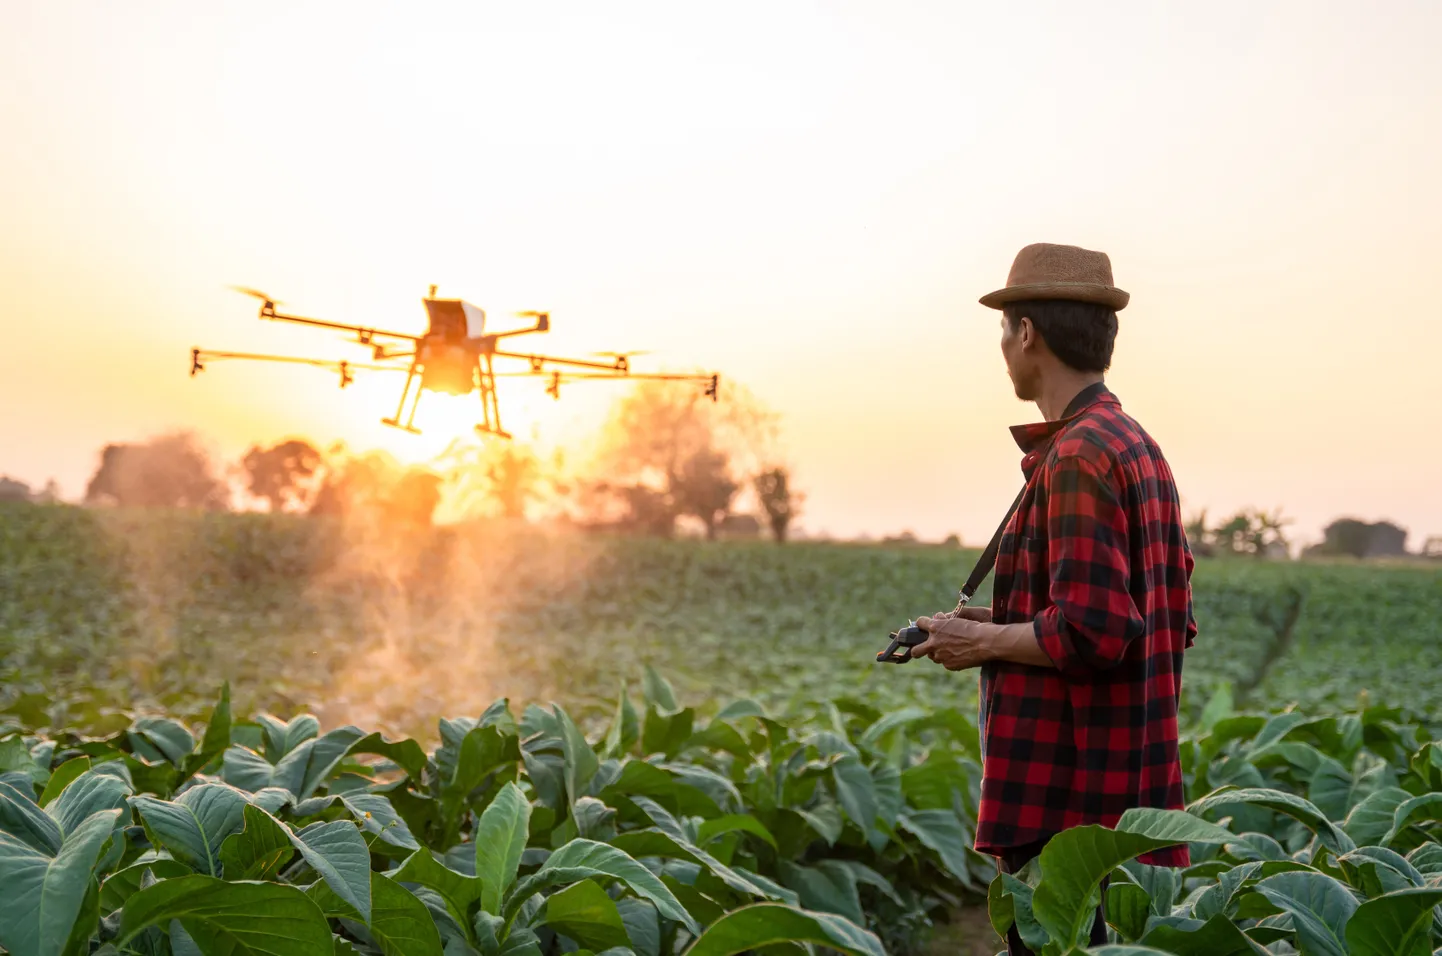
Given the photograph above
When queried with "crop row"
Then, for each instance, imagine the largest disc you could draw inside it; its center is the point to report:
(671, 834)
(391, 631)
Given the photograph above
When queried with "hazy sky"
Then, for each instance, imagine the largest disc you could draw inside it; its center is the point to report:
(808, 198)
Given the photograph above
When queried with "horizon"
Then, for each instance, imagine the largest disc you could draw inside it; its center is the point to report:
(807, 200)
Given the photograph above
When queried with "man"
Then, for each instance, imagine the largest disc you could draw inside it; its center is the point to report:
(1081, 649)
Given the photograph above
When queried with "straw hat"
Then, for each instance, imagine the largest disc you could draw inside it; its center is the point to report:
(1046, 271)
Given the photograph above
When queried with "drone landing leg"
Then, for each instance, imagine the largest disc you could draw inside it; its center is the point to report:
(490, 407)
(395, 422)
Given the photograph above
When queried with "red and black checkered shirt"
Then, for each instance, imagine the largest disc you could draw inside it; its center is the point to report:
(1096, 559)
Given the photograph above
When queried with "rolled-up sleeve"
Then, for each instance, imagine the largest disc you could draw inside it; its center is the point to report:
(1093, 618)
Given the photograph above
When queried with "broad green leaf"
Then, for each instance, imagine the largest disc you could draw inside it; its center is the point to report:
(88, 793)
(1161, 884)
(657, 692)
(181, 942)
(399, 922)
(657, 842)
(763, 924)
(217, 735)
(825, 819)
(194, 826)
(1319, 906)
(718, 790)
(586, 914)
(856, 792)
(1127, 908)
(1123, 950)
(323, 755)
(583, 859)
(1220, 705)
(1400, 873)
(1398, 924)
(666, 733)
(244, 919)
(642, 925)
(500, 838)
(283, 737)
(827, 887)
(15, 757)
(581, 762)
(337, 851)
(1218, 936)
(1331, 789)
(1285, 803)
(1075, 860)
(739, 709)
(44, 894)
(247, 770)
(121, 885)
(1427, 858)
(1424, 809)
(1218, 899)
(22, 818)
(732, 823)
(159, 738)
(404, 753)
(457, 889)
(625, 728)
(258, 851)
(376, 815)
(1370, 820)
(942, 832)
(1000, 907)
(892, 721)
(62, 777)
(1009, 902)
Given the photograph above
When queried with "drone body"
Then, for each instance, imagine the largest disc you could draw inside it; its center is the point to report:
(455, 356)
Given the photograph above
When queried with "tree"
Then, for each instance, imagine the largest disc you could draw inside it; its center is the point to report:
(283, 473)
(374, 486)
(1252, 532)
(1199, 536)
(413, 499)
(782, 504)
(171, 471)
(12, 489)
(703, 488)
(688, 451)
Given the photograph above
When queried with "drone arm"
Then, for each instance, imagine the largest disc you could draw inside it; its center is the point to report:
(539, 360)
(365, 334)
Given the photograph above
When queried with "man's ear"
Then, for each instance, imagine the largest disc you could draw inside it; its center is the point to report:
(1026, 334)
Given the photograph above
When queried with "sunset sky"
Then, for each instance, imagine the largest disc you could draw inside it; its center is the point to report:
(805, 197)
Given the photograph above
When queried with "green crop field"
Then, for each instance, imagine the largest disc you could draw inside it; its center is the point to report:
(104, 609)
(724, 768)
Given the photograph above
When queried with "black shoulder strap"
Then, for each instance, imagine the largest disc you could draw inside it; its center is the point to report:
(987, 561)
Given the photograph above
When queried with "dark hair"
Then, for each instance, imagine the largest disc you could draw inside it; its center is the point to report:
(1081, 334)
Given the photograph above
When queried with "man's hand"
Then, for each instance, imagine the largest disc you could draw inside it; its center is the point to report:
(966, 637)
(959, 640)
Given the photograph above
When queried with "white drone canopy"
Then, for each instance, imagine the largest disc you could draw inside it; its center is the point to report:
(456, 319)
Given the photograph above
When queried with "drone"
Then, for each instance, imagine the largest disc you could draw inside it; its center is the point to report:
(455, 356)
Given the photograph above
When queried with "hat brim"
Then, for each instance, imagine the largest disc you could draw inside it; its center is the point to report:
(1072, 291)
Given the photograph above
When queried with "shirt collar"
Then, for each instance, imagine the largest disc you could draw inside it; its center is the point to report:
(1031, 437)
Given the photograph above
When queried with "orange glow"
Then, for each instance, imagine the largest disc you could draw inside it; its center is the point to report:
(808, 198)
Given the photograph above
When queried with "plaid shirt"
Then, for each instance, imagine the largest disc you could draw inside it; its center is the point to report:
(1096, 559)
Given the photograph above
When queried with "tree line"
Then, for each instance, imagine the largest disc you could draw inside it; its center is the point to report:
(665, 458)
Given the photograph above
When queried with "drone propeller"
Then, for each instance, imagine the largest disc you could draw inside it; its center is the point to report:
(622, 354)
(256, 293)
